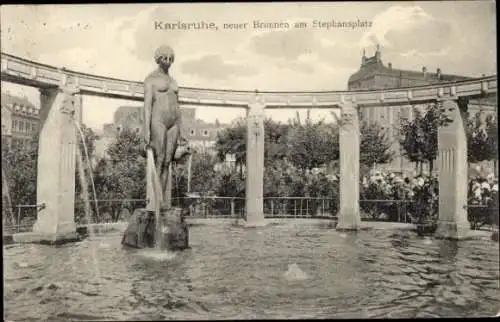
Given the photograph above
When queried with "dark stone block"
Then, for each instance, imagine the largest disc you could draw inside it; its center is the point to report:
(426, 229)
(494, 236)
(172, 233)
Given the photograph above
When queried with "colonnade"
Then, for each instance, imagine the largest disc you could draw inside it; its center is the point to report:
(452, 158)
(61, 105)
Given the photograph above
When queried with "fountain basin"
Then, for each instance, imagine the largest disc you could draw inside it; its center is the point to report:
(45, 238)
(234, 273)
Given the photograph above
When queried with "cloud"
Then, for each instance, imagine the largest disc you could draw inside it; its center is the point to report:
(214, 67)
(287, 44)
(407, 29)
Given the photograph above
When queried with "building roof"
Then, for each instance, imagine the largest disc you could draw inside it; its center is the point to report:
(19, 105)
(374, 66)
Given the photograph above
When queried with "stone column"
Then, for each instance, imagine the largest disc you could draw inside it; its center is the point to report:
(349, 141)
(452, 146)
(255, 165)
(56, 165)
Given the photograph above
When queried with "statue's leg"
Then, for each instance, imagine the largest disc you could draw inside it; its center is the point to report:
(170, 146)
(158, 136)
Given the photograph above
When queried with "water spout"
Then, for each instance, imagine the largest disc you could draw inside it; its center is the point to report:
(86, 199)
(6, 193)
(190, 161)
(84, 144)
(155, 196)
(85, 194)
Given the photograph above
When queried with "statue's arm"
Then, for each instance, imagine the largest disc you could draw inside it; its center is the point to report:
(148, 106)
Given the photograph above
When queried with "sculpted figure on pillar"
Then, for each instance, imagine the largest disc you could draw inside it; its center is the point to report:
(162, 130)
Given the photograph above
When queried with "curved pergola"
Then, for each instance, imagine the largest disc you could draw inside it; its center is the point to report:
(26, 72)
(61, 92)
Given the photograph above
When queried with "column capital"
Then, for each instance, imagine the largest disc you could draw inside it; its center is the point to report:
(256, 109)
(448, 105)
(257, 98)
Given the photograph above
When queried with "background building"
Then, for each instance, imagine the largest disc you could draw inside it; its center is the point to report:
(200, 134)
(374, 75)
(20, 121)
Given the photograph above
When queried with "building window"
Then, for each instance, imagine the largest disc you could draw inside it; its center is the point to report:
(205, 132)
(191, 131)
(14, 124)
(21, 126)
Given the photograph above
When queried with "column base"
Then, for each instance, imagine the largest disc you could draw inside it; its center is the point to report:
(349, 222)
(353, 228)
(454, 230)
(47, 227)
(46, 238)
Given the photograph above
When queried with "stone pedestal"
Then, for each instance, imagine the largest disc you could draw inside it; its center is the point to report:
(452, 145)
(56, 168)
(255, 166)
(172, 234)
(349, 140)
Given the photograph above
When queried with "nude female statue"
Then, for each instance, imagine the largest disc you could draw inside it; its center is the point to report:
(162, 131)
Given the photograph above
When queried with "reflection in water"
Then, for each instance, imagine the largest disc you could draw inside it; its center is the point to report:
(233, 273)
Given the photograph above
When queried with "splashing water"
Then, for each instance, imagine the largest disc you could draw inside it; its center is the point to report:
(156, 255)
(155, 195)
(89, 166)
(85, 195)
(294, 273)
(6, 193)
(88, 212)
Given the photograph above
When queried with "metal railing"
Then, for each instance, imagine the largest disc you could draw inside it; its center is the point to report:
(24, 218)
(401, 210)
(113, 210)
(300, 207)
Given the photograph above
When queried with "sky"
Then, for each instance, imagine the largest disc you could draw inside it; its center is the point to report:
(119, 41)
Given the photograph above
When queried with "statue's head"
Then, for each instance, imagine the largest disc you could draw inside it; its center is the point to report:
(164, 56)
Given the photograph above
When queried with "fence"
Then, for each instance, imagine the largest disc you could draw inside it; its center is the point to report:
(20, 218)
(112, 210)
(388, 210)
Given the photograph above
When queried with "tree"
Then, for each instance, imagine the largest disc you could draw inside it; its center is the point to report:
(122, 174)
(19, 170)
(275, 141)
(232, 140)
(312, 144)
(375, 146)
(492, 141)
(204, 178)
(482, 139)
(411, 139)
(433, 119)
(420, 136)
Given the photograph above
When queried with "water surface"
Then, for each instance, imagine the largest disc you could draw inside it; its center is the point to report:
(236, 273)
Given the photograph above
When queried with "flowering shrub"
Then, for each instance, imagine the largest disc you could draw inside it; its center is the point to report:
(483, 201)
(385, 195)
